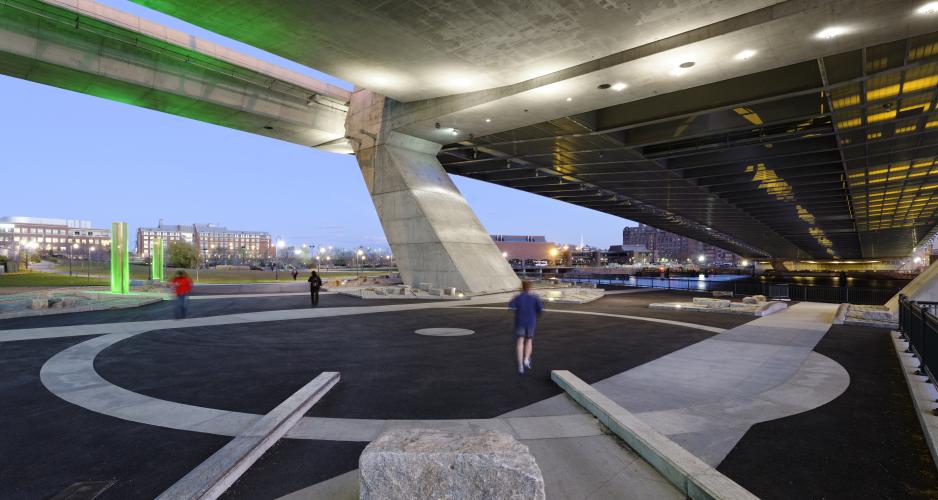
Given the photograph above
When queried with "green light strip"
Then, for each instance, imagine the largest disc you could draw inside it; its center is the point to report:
(120, 262)
(156, 259)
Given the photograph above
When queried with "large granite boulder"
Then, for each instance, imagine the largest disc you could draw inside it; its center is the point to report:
(427, 463)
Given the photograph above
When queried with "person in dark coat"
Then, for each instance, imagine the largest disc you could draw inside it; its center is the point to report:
(315, 283)
(527, 308)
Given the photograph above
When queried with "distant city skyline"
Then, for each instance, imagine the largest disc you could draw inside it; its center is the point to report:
(82, 157)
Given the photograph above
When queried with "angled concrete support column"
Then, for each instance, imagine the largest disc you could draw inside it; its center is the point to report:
(435, 236)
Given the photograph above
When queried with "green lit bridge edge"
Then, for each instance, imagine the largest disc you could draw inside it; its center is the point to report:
(120, 263)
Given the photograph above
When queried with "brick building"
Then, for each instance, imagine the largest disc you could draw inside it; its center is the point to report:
(213, 241)
(663, 246)
(53, 236)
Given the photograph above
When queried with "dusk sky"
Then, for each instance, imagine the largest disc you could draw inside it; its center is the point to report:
(70, 155)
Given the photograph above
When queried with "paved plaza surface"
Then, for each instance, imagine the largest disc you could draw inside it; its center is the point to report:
(132, 397)
(864, 444)
(198, 307)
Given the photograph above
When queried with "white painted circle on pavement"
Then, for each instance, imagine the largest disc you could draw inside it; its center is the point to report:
(444, 332)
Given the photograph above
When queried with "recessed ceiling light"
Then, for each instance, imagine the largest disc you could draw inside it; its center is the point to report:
(928, 9)
(455, 132)
(619, 86)
(682, 68)
(569, 99)
(833, 31)
(488, 120)
(746, 54)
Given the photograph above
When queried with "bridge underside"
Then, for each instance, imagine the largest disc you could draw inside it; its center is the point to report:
(814, 149)
(828, 158)
(106, 53)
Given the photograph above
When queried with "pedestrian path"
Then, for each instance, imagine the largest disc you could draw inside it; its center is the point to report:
(707, 395)
(704, 397)
(229, 319)
(253, 295)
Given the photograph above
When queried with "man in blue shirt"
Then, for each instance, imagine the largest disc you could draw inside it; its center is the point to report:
(527, 308)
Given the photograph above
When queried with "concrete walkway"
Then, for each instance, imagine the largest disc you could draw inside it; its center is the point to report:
(707, 395)
(704, 396)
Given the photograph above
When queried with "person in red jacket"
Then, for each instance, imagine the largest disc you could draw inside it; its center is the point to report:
(183, 287)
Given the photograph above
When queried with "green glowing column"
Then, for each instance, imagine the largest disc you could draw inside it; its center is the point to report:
(120, 264)
(156, 259)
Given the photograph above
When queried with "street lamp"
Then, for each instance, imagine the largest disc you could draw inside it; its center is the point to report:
(88, 267)
(71, 250)
(32, 245)
(280, 245)
(360, 260)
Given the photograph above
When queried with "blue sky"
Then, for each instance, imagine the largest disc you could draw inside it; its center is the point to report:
(82, 157)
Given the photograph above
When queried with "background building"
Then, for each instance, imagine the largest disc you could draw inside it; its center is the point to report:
(53, 236)
(524, 248)
(625, 254)
(663, 246)
(216, 243)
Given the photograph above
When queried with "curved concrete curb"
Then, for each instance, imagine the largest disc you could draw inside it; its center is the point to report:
(691, 475)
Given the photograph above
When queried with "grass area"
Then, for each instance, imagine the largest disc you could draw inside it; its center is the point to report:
(47, 279)
(213, 276)
(137, 271)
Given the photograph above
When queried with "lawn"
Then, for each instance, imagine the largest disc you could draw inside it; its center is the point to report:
(80, 268)
(47, 279)
(213, 276)
(226, 276)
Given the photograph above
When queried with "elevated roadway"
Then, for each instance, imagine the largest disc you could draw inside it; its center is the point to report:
(776, 129)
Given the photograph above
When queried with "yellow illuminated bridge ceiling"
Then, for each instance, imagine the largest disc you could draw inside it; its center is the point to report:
(829, 158)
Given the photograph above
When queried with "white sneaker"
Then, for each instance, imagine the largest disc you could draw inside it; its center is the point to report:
(527, 363)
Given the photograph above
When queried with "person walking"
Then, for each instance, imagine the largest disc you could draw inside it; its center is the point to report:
(295, 273)
(315, 283)
(182, 285)
(527, 308)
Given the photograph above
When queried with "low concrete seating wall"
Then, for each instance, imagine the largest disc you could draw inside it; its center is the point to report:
(866, 315)
(708, 302)
(754, 308)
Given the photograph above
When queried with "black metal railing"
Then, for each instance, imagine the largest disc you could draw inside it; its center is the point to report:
(918, 324)
(778, 291)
